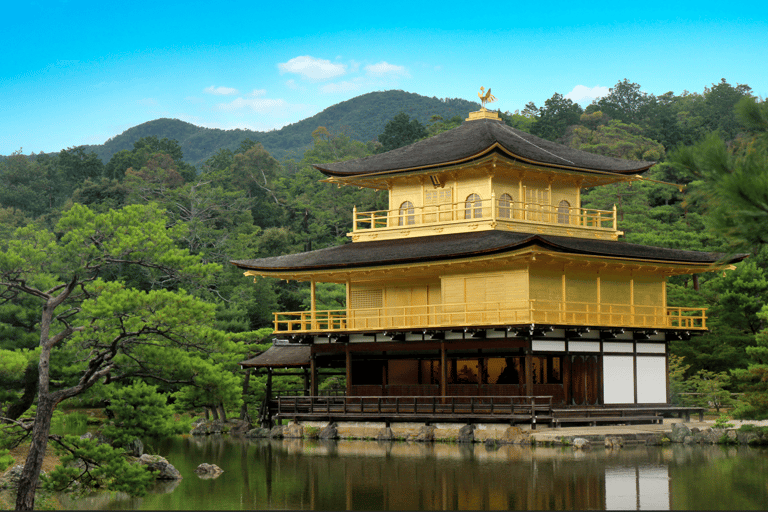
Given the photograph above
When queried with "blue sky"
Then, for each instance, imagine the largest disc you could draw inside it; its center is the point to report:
(75, 72)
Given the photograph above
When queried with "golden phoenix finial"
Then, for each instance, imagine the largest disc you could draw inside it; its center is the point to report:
(486, 97)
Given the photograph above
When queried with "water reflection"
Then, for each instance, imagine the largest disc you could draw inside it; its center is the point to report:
(360, 475)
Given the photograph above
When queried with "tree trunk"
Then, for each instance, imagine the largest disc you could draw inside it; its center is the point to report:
(222, 412)
(30, 475)
(215, 413)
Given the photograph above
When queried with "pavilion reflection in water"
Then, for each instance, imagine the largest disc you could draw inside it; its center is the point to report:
(396, 476)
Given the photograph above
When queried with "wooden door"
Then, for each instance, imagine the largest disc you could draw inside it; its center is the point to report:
(585, 383)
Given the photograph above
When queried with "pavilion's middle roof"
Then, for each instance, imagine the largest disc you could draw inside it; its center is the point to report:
(475, 139)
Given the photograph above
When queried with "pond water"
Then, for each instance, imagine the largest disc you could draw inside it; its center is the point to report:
(370, 475)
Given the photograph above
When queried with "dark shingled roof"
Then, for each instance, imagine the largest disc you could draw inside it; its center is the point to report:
(463, 245)
(475, 138)
(280, 355)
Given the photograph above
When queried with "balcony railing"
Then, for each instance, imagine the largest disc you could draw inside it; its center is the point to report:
(483, 210)
(490, 314)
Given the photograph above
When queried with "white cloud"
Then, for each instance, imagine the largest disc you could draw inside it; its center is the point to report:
(220, 91)
(384, 68)
(259, 92)
(311, 68)
(255, 104)
(291, 84)
(584, 94)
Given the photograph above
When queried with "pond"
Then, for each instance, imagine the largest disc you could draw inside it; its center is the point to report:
(371, 475)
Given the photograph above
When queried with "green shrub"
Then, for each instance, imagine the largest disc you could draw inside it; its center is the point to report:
(139, 410)
(6, 460)
(108, 469)
(722, 422)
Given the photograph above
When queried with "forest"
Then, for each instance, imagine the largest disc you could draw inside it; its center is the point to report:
(115, 279)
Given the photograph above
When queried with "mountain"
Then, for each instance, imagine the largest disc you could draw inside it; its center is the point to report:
(362, 118)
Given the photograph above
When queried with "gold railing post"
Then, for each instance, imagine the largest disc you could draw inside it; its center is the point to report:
(493, 206)
(354, 219)
(615, 226)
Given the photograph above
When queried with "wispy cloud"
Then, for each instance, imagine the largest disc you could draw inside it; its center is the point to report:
(385, 69)
(220, 91)
(584, 94)
(312, 68)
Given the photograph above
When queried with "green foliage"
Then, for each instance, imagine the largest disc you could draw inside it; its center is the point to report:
(722, 421)
(87, 466)
(554, 118)
(6, 460)
(753, 380)
(400, 131)
(138, 410)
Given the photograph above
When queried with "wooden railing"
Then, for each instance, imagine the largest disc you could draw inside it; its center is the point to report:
(493, 209)
(492, 313)
(507, 408)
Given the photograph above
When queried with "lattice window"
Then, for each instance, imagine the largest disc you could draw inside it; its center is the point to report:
(564, 212)
(366, 299)
(505, 206)
(437, 197)
(406, 214)
(473, 207)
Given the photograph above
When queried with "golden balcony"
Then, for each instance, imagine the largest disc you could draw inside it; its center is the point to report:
(534, 218)
(489, 314)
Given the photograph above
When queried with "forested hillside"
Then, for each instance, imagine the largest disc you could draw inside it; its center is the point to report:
(108, 261)
(362, 118)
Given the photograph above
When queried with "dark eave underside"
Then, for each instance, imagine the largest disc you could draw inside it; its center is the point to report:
(465, 245)
(473, 139)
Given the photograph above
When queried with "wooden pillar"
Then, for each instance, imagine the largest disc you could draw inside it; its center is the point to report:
(443, 371)
(567, 376)
(349, 371)
(313, 308)
(305, 378)
(269, 383)
(313, 375)
(529, 368)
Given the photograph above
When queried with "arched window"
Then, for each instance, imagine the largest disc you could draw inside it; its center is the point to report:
(564, 212)
(505, 206)
(406, 214)
(473, 207)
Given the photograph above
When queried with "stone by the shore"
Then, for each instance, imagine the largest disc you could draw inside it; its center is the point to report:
(426, 434)
(257, 432)
(207, 471)
(581, 444)
(135, 448)
(679, 432)
(293, 431)
(466, 434)
(276, 432)
(165, 469)
(329, 432)
(385, 434)
(614, 442)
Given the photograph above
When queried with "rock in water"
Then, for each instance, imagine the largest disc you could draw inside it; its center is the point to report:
(329, 432)
(466, 434)
(206, 470)
(165, 469)
(581, 444)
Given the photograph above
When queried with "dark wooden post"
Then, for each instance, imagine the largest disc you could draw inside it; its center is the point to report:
(349, 371)
(529, 369)
(305, 378)
(566, 378)
(313, 375)
(443, 372)
(269, 384)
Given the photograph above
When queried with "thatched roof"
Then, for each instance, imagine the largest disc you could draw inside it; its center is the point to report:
(475, 139)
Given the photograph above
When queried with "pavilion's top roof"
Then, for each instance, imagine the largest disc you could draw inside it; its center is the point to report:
(463, 245)
(475, 139)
